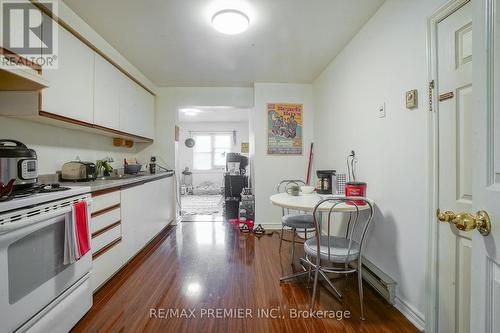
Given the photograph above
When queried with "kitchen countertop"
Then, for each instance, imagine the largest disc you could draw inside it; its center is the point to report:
(104, 184)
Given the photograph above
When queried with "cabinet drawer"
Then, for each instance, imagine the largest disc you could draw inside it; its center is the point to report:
(106, 265)
(103, 221)
(106, 238)
(103, 201)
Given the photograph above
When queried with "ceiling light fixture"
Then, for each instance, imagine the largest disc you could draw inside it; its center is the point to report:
(190, 113)
(230, 21)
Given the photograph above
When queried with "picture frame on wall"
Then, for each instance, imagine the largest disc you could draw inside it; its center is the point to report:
(284, 129)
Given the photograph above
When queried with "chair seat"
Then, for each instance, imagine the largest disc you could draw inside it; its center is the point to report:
(298, 221)
(339, 247)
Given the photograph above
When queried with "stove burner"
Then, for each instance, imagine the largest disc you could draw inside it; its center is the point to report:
(43, 188)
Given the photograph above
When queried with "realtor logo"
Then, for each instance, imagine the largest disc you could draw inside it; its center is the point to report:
(28, 32)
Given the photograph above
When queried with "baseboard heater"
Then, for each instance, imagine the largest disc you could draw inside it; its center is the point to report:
(380, 281)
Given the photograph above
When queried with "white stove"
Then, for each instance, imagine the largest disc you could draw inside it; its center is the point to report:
(18, 202)
(38, 291)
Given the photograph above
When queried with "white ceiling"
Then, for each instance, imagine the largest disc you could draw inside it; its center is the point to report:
(215, 114)
(173, 43)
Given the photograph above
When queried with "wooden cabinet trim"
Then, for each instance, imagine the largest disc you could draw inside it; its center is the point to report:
(105, 210)
(89, 125)
(106, 228)
(106, 248)
(18, 59)
(105, 191)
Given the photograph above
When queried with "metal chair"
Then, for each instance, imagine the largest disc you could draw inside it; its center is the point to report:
(325, 253)
(293, 221)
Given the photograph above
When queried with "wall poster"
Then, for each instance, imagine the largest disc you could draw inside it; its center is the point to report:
(284, 129)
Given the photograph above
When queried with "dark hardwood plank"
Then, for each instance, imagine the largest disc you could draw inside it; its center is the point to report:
(211, 265)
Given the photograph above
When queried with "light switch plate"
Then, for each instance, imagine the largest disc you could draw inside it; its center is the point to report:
(381, 110)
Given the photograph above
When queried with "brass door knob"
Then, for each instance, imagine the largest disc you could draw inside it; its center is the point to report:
(466, 221)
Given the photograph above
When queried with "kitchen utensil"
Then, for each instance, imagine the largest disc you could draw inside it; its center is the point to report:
(78, 171)
(132, 169)
(18, 162)
(190, 142)
(152, 165)
(6, 189)
(307, 189)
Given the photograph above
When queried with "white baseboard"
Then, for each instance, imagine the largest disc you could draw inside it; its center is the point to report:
(271, 226)
(414, 316)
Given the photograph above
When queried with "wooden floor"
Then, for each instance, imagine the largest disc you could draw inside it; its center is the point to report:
(203, 267)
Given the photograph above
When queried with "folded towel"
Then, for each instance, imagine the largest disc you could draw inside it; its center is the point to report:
(82, 227)
(77, 238)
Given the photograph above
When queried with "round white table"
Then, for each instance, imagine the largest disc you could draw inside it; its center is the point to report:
(307, 202)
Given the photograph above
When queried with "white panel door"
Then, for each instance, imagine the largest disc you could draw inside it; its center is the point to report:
(71, 91)
(107, 80)
(485, 283)
(454, 40)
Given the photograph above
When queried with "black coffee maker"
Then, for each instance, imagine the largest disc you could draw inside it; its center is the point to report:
(325, 179)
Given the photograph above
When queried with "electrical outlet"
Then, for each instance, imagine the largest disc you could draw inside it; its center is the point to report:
(381, 110)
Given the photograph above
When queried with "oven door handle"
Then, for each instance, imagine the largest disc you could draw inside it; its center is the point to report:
(9, 227)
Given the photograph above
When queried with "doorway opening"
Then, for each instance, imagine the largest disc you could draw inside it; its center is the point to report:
(207, 134)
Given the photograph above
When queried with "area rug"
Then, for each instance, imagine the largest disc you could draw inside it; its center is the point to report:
(201, 205)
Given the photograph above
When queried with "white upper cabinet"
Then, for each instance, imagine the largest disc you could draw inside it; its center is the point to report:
(148, 110)
(71, 91)
(107, 86)
(136, 109)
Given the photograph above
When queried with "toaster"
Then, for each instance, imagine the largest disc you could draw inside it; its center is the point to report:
(78, 171)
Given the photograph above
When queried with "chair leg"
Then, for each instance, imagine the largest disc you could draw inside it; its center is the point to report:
(309, 275)
(315, 287)
(360, 285)
(346, 266)
(293, 244)
(281, 237)
(330, 283)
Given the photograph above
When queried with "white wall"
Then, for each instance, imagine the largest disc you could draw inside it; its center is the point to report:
(55, 145)
(385, 59)
(270, 169)
(186, 154)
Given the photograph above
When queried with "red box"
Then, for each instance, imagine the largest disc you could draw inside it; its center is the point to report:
(356, 189)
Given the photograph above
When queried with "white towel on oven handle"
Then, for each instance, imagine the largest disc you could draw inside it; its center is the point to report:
(71, 253)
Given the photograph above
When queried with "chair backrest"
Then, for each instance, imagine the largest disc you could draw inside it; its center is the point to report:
(283, 187)
(357, 225)
(284, 184)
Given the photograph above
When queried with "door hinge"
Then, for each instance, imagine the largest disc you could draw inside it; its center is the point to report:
(431, 88)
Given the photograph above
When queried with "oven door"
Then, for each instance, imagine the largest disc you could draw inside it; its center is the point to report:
(32, 272)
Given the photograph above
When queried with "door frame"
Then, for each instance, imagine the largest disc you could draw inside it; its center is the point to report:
(432, 301)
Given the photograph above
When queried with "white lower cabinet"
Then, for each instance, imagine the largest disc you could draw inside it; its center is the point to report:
(146, 210)
(118, 234)
(106, 265)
